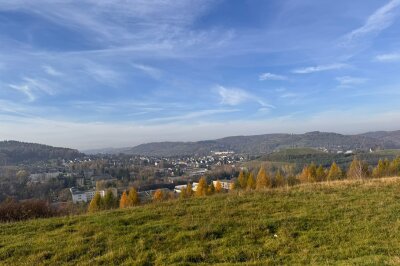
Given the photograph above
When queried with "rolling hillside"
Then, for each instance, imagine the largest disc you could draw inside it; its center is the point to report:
(262, 144)
(343, 222)
(15, 152)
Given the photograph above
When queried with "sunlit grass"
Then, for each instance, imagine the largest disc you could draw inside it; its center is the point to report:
(341, 222)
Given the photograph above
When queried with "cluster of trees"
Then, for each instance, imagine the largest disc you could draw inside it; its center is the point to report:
(109, 201)
(129, 200)
(358, 169)
(13, 210)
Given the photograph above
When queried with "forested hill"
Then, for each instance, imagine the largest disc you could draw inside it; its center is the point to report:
(261, 144)
(15, 152)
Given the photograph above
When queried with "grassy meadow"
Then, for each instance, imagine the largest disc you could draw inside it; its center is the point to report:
(340, 223)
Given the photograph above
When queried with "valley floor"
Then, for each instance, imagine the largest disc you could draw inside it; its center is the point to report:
(343, 222)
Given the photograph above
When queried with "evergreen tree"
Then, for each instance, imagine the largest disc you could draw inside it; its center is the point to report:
(262, 180)
(95, 203)
(123, 203)
(382, 169)
(202, 187)
(251, 182)
(218, 187)
(133, 197)
(334, 173)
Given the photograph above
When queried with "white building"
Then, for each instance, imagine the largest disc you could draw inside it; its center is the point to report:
(226, 184)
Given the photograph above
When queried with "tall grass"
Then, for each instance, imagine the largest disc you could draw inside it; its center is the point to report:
(342, 222)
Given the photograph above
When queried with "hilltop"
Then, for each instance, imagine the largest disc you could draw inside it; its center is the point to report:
(342, 222)
(15, 152)
(267, 143)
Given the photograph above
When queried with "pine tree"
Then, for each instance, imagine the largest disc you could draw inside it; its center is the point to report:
(158, 195)
(123, 203)
(304, 175)
(218, 187)
(95, 203)
(312, 168)
(202, 187)
(334, 173)
(242, 180)
(133, 197)
(251, 182)
(262, 181)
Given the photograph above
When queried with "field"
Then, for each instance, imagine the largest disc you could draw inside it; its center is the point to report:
(343, 222)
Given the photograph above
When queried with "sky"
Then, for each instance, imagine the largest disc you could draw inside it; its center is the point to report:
(107, 73)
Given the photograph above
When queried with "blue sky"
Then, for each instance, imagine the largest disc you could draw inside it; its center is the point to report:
(88, 74)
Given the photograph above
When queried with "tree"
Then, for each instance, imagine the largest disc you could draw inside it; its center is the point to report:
(320, 174)
(358, 169)
(334, 172)
(133, 197)
(395, 167)
(158, 195)
(201, 187)
(210, 189)
(251, 182)
(123, 203)
(382, 169)
(189, 190)
(109, 200)
(262, 181)
(95, 203)
(218, 187)
(242, 180)
(309, 173)
(279, 179)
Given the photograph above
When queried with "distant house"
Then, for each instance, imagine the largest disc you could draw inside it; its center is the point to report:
(81, 196)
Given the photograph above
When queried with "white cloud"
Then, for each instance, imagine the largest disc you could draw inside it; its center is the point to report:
(308, 70)
(51, 71)
(151, 71)
(236, 96)
(393, 57)
(270, 76)
(25, 89)
(381, 19)
(347, 81)
(31, 87)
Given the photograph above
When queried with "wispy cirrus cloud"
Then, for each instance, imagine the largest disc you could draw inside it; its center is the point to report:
(381, 19)
(149, 70)
(32, 87)
(237, 96)
(270, 76)
(392, 57)
(313, 69)
(51, 71)
(348, 81)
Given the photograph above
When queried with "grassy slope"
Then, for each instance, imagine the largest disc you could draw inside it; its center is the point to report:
(338, 223)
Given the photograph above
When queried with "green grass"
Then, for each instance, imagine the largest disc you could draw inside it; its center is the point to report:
(344, 223)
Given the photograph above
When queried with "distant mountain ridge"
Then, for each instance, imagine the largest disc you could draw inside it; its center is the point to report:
(261, 144)
(15, 152)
